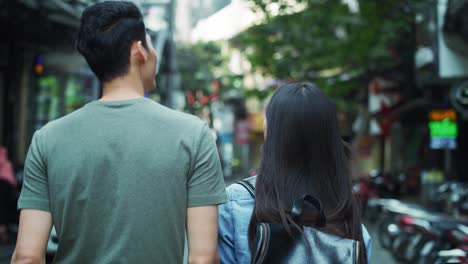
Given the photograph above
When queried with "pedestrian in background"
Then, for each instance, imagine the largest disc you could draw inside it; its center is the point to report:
(122, 178)
(7, 193)
(303, 155)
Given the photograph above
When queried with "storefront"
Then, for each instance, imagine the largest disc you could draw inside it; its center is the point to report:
(30, 32)
(63, 83)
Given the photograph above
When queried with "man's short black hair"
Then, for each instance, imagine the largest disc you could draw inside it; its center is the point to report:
(106, 34)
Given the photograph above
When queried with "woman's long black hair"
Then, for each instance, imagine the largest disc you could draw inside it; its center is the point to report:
(304, 154)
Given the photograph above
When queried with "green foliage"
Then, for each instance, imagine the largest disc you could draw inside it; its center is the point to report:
(326, 34)
(197, 65)
(201, 64)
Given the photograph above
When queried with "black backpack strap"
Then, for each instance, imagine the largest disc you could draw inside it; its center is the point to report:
(299, 204)
(247, 184)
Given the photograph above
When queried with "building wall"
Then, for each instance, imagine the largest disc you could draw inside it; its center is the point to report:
(3, 91)
(2, 104)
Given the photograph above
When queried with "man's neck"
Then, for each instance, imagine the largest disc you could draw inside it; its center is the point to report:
(122, 88)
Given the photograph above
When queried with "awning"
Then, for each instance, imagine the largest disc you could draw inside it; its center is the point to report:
(226, 23)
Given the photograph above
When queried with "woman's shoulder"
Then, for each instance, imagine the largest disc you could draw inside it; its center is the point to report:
(236, 192)
(239, 205)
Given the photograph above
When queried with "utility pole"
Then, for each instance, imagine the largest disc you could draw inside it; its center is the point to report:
(172, 84)
(168, 77)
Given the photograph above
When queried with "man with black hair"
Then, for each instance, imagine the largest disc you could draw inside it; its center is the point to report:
(122, 178)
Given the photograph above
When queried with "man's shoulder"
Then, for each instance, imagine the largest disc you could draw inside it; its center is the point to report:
(178, 116)
(62, 122)
(175, 120)
(163, 113)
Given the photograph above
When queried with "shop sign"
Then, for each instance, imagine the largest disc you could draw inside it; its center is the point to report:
(443, 129)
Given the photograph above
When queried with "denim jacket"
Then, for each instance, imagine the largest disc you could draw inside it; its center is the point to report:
(233, 224)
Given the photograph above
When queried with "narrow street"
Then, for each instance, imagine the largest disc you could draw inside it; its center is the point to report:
(117, 113)
(379, 255)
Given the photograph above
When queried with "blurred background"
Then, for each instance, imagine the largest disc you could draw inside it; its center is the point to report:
(396, 69)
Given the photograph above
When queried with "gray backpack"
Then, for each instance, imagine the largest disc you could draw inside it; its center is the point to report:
(275, 246)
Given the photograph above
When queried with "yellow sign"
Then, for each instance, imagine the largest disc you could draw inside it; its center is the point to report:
(256, 122)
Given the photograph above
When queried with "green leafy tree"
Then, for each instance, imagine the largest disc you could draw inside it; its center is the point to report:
(204, 74)
(326, 42)
(197, 64)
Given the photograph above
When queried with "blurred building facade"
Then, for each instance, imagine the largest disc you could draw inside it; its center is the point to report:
(42, 77)
(414, 121)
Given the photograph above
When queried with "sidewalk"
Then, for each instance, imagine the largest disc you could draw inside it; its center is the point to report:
(379, 255)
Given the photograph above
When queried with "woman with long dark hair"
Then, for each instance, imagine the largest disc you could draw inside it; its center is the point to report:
(303, 154)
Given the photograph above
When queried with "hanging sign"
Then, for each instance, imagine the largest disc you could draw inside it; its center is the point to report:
(443, 129)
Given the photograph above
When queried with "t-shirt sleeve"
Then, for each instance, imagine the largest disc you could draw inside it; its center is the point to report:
(206, 182)
(35, 191)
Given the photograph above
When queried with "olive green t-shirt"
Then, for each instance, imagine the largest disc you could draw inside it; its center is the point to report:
(118, 177)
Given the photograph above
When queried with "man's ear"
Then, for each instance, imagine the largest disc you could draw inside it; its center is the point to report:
(140, 51)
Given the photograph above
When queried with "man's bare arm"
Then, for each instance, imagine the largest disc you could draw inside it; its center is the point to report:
(202, 234)
(33, 234)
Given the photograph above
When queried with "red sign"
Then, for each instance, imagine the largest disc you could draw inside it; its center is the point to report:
(242, 132)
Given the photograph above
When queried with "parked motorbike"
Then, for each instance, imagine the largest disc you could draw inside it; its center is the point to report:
(414, 234)
(393, 214)
(376, 185)
(452, 197)
(407, 245)
(445, 235)
(457, 255)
